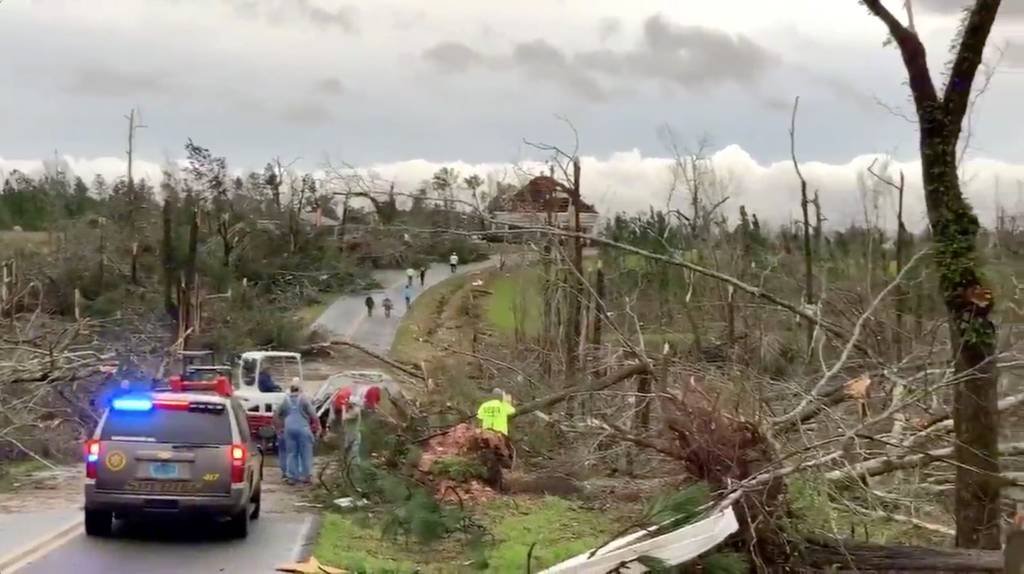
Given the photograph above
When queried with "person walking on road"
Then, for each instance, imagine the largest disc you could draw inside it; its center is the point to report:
(410, 273)
(423, 275)
(407, 293)
(454, 261)
(369, 305)
(387, 304)
(298, 419)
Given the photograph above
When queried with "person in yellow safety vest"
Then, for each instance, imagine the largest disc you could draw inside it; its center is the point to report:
(493, 414)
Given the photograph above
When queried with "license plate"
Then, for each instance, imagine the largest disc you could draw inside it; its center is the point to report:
(163, 470)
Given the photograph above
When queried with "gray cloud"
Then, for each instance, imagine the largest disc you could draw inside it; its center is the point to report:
(329, 86)
(453, 57)
(539, 59)
(307, 113)
(608, 28)
(686, 56)
(105, 81)
(341, 18)
(1014, 54)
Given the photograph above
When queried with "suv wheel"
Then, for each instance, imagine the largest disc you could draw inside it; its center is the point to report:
(238, 525)
(98, 522)
(256, 504)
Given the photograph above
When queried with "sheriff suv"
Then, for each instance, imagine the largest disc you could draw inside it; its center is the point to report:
(182, 451)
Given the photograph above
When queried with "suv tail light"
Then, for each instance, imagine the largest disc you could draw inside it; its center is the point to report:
(92, 457)
(238, 456)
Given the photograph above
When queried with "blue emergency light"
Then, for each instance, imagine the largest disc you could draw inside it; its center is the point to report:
(132, 404)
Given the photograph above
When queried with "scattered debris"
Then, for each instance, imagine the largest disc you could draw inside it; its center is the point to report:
(349, 502)
(311, 566)
(676, 547)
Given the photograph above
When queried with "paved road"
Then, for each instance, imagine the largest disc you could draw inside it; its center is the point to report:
(172, 548)
(278, 536)
(346, 318)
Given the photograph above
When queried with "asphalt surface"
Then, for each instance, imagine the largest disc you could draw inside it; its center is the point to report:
(346, 318)
(20, 529)
(173, 547)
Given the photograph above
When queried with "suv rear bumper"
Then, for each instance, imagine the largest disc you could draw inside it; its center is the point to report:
(135, 504)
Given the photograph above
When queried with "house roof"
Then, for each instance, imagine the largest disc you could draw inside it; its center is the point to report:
(536, 195)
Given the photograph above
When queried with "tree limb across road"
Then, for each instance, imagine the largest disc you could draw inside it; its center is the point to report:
(389, 362)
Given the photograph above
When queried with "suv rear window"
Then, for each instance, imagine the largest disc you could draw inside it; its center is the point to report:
(168, 426)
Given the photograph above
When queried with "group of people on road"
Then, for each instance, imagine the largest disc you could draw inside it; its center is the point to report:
(298, 426)
(407, 293)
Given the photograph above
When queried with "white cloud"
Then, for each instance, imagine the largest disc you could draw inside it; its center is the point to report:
(629, 181)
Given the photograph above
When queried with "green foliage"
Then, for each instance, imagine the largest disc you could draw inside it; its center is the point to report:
(410, 510)
(677, 509)
(39, 204)
(458, 468)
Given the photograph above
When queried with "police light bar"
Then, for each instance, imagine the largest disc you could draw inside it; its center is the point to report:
(220, 385)
(132, 404)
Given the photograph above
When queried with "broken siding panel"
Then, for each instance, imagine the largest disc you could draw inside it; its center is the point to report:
(674, 548)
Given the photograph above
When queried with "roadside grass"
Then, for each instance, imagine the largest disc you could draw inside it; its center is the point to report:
(516, 301)
(12, 473)
(422, 319)
(559, 529)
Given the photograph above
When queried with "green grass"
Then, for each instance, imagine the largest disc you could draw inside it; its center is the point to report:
(516, 301)
(358, 548)
(560, 528)
(422, 319)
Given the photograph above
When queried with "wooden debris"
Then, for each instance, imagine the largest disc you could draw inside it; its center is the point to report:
(311, 566)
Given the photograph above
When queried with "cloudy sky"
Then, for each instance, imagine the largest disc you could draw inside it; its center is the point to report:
(405, 86)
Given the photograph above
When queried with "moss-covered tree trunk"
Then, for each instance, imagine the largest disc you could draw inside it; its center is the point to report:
(972, 336)
(955, 230)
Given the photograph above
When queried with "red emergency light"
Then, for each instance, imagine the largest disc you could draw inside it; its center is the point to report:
(220, 385)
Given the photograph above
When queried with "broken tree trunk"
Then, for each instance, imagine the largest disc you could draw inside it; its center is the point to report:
(837, 556)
